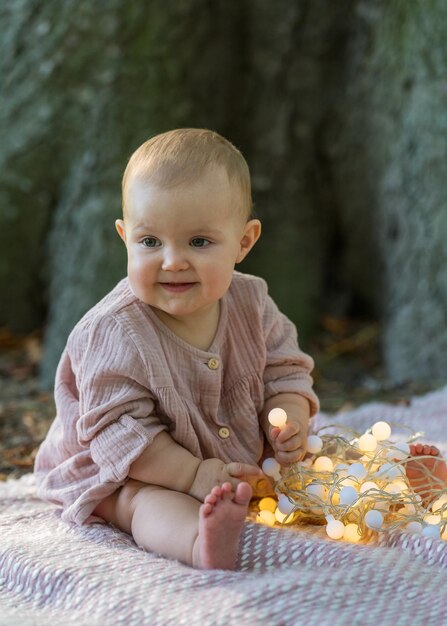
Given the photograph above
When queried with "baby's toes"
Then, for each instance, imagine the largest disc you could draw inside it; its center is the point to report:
(434, 451)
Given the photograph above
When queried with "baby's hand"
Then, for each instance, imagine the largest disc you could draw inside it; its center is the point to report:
(289, 443)
(212, 472)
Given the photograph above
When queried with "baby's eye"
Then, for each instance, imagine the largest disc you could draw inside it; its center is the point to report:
(200, 242)
(151, 242)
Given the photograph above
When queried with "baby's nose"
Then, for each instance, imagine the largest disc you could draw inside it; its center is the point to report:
(174, 260)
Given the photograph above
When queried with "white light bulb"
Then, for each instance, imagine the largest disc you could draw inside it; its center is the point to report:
(282, 518)
(277, 417)
(388, 471)
(349, 481)
(399, 482)
(432, 519)
(374, 519)
(393, 489)
(323, 464)
(271, 467)
(335, 529)
(367, 443)
(314, 444)
(266, 517)
(285, 505)
(408, 509)
(381, 431)
(400, 451)
(357, 470)
(439, 503)
(267, 504)
(369, 484)
(351, 533)
(317, 490)
(414, 527)
(348, 496)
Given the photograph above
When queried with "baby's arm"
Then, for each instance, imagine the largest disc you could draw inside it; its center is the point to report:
(167, 464)
(288, 443)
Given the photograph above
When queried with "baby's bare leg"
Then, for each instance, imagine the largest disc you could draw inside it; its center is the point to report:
(159, 520)
(167, 522)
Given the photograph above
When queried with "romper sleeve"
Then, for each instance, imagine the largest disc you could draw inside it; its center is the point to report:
(287, 368)
(116, 408)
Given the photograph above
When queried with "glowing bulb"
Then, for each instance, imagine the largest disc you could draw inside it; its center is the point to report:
(323, 464)
(357, 470)
(393, 489)
(439, 503)
(351, 533)
(282, 518)
(335, 529)
(349, 482)
(271, 467)
(374, 519)
(348, 496)
(408, 509)
(432, 519)
(400, 451)
(266, 517)
(401, 484)
(335, 498)
(285, 505)
(369, 484)
(277, 417)
(389, 471)
(305, 462)
(317, 490)
(314, 444)
(367, 443)
(267, 504)
(444, 534)
(381, 431)
(414, 527)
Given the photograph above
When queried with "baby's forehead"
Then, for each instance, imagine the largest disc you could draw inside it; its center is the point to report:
(142, 192)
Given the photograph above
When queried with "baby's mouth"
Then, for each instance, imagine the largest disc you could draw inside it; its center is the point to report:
(177, 287)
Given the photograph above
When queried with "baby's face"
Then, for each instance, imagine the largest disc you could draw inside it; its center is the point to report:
(184, 242)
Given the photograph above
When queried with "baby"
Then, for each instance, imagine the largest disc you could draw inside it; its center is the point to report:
(164, 387)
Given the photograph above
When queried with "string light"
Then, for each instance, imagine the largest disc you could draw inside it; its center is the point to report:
(355, 484)
(277, 417)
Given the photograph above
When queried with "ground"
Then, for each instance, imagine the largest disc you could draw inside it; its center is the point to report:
(347, 373)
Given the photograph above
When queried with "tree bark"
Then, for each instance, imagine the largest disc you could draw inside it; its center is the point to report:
(339, 108)
(388, 152)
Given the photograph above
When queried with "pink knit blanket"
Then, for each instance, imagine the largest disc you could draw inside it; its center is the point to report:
(53, 573)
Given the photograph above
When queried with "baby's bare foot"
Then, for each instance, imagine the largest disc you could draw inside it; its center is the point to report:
(221, 519)
(426, 474)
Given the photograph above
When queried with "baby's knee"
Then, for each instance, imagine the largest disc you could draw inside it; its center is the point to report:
(116, 509)
(134, 492)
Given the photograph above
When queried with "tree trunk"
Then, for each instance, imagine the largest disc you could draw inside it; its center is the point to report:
(339, 108)
(293, 56)
(388, 151)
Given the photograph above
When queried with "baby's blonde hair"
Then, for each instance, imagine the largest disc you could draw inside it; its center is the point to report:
(182, 156)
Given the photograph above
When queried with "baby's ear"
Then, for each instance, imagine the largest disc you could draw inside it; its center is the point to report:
(119, 225)
(251, 234)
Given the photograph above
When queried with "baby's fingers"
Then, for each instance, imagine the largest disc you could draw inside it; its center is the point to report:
(285, 434)
(287, 458)
(289, 445)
